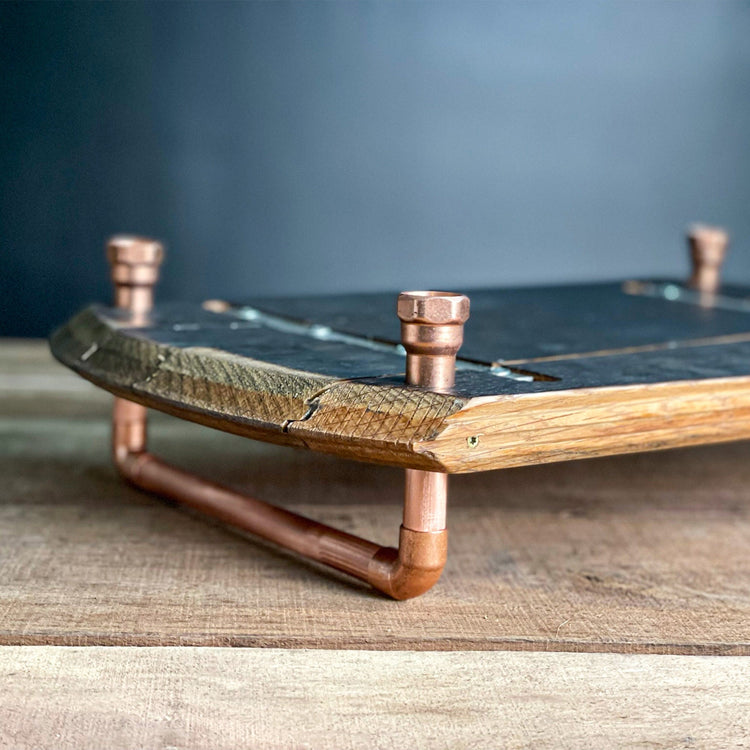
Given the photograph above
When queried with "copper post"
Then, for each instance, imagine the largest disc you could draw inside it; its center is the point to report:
(134, 263)
(401, 573)
(708, 247)
(432, 333)
(134, 268)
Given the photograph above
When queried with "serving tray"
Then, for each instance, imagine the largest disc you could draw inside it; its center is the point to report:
(534, 375)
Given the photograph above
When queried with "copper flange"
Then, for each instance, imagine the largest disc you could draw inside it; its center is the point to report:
(432, 331)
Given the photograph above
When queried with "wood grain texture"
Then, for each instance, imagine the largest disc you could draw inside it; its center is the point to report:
(520, 431)
(247, 381)
(643, 553)
(211, 699)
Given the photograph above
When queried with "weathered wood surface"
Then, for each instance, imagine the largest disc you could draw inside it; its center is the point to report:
(211, 699)
(253, 397)
(643, 553)
(689, 384)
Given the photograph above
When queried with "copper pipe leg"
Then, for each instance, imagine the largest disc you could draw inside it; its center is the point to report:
(432, 327)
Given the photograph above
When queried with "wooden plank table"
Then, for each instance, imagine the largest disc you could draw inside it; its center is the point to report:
(639, 564)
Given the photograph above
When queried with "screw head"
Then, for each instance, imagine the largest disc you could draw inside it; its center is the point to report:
(433, 308)
(134, 251)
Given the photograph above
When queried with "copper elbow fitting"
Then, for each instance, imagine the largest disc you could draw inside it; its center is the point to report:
(413, 568)
(134, 263)
(708, 248)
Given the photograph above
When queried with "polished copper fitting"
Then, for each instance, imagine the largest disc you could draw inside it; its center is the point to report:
(432, 331)
(413, 568)
(134, 265)
(708, 248)
(402, 573)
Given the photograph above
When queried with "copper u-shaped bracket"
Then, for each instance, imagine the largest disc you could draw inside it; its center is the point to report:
(431, 332)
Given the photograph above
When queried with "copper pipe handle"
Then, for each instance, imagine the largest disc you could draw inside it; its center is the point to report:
(432, 326)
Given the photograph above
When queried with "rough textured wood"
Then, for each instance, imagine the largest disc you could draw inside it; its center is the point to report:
(252, 397)
(334, 397)
(210, 699)
(643, 553)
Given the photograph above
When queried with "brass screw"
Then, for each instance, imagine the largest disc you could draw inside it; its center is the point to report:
(432, 331)
(134, 265)
(708, 247)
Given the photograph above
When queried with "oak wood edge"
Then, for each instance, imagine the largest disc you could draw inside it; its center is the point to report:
(400, 426)
(520, 430)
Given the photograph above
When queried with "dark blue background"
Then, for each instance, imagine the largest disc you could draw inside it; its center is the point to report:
(289, 148)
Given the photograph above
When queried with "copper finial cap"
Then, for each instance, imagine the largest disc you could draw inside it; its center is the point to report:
(134, 260)
(134, 265)
(432, 331)
(433, 308)
(708, 248)
(134, 251)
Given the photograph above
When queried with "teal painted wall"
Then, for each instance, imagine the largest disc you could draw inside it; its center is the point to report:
(287, 148)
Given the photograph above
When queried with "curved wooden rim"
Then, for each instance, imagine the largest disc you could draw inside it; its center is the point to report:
(399, 425)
